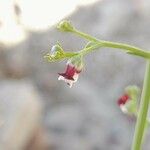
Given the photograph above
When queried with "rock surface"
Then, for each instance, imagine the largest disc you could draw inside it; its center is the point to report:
(20, 111)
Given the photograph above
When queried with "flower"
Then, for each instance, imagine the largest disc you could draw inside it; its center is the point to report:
(128, 102)
(70, 76)
(74, 68)
(122, 101)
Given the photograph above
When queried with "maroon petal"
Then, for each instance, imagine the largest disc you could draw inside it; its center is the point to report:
(66, 76)
(70, 70)
(123, 99)
(69, 73)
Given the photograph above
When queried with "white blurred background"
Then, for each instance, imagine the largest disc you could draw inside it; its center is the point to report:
(37, 112)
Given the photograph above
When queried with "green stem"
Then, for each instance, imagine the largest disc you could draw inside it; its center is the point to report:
(128, 48)
(90, 48)
(143, 110)
(86, 36)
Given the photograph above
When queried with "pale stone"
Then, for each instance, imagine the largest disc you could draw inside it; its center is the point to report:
(20, 111)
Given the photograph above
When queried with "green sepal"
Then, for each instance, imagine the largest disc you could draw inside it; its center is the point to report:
(77, 61)
(133, 92)
(131, 107)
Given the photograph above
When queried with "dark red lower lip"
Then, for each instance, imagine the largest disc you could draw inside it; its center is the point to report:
(66, 76)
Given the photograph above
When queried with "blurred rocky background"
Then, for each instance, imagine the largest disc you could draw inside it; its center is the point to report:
(39, 113)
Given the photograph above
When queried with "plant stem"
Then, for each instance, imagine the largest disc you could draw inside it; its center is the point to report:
(90, 48)
(128, 48)
(144, 104)
(143, 110)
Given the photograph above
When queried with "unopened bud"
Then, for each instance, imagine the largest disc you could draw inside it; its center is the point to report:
(65, 26)
(56, 50)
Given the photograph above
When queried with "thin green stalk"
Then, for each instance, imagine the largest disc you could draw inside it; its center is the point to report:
(128, 48)
(142, 115)
(84, 35)
(143, 110)
(90, 48)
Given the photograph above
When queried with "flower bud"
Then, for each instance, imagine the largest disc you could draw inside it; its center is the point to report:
(55, 50)
(65, 26)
